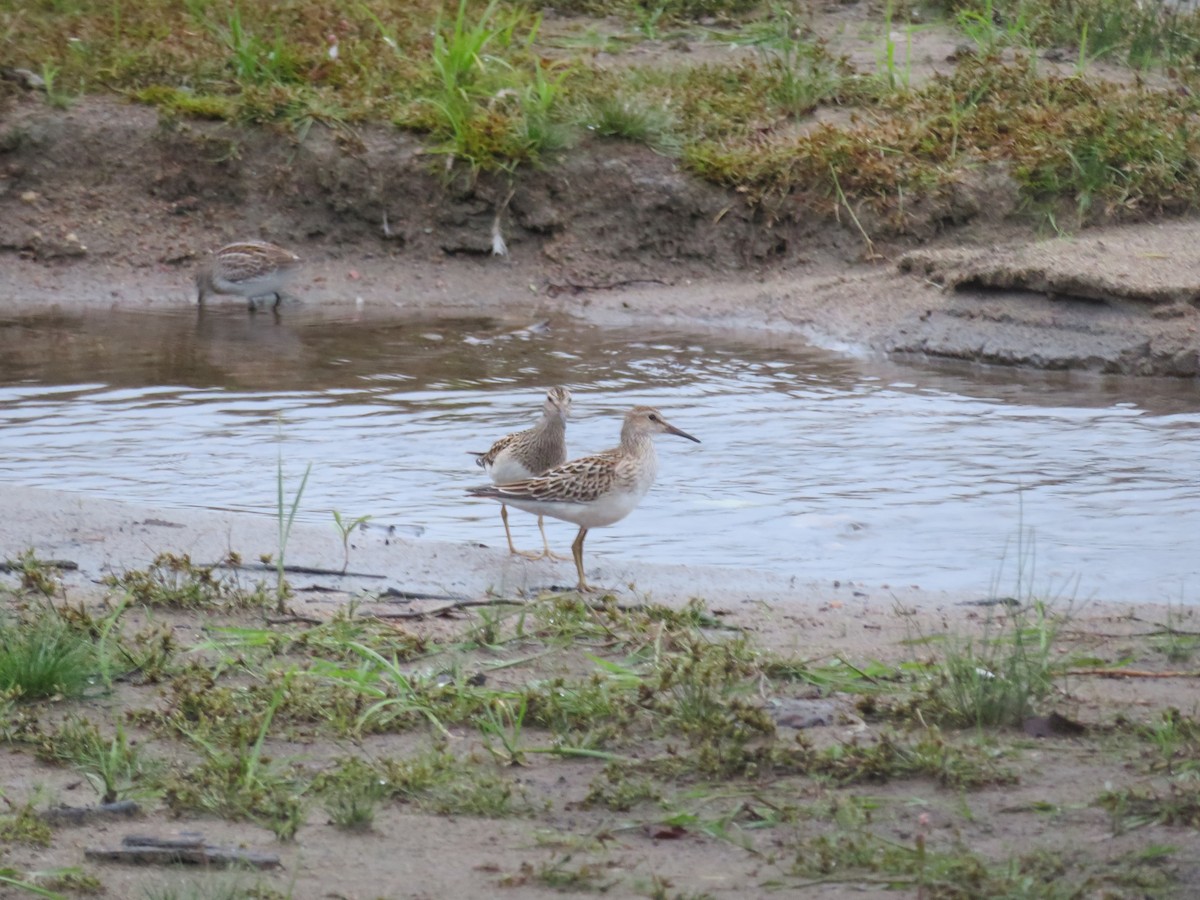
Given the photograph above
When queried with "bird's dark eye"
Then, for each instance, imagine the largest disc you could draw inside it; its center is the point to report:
(653, 417)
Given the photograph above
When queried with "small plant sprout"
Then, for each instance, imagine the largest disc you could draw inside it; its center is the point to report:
(345, 528)
(501, 724)
(286, 517)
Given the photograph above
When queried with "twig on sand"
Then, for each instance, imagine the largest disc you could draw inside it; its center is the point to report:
(401, 595)
(294, 617)
(65, 564)
(187, 847)
(1132, 673)
(444, 608)
(295, 570)
(79, 815)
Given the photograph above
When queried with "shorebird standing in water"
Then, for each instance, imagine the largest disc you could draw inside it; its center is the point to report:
(593, 491)
(524, 454)
(250, 269)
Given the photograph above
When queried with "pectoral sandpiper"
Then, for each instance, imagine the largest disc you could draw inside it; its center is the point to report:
(593, 491)
(524, 454)
(250, 269)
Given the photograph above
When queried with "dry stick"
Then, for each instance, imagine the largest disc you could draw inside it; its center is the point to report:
(402, 595)
(187, 848)
(466, 604)
(294, 617)
(296, 570)
(1113, 635)
(1167, 628)
(445, 607)
(64, 564)
(1132, 673)
(78, 815)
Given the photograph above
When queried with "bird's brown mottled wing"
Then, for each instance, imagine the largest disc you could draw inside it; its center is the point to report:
(580, 480)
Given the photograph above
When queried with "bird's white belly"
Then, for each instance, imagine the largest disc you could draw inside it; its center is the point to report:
(506, 469)
(602, 511)
(251, 287)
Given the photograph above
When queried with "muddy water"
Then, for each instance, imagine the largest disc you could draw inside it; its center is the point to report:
(813, 464)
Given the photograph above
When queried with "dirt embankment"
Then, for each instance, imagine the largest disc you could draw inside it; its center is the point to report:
(105, 204)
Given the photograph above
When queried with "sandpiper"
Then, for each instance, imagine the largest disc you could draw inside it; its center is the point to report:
(593, 491)
(250, 269)
(524, 454)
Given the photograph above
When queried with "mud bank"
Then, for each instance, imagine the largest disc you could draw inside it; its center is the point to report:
(613, 233)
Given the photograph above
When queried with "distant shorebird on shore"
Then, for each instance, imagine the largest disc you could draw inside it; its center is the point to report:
(250, 269)
(593, 491)
(525, 454)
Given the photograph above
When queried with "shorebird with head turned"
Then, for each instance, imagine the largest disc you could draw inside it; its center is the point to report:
(250, 269)
(593, 491)
(524, 454)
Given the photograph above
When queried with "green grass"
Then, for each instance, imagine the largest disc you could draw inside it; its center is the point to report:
(237, 886)
(173, 580)
(1002, 677)
(435, 781)
(478, 81)
(114, 766)
(235, 779)
(42, 656)
(642, 720)
(1124, 31)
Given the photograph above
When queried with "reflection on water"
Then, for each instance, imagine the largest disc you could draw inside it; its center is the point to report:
(815, 465)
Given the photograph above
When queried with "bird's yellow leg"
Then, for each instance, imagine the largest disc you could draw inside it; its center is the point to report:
(528, 554)
(548, 553)
(577, 551)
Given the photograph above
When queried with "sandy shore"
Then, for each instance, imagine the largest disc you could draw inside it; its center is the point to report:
(107, 537)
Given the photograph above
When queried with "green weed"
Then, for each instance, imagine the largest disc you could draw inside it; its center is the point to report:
(176, 103)
(896, 73)
(42, 656)
(1120, 30)
(636, 119)
(997, 678)
(500, 726)
(352, 795)
(71, 879)
(955, 765)
(21, 824)
(237, 780)
(252, 59)
(54, 93)
(434, 781)
(618, 789)
(565, 875)
(113, 766)
(477, 79)
(36, 575)
(1174, 643)
(993, 30)
(285, 517)
(237, 886)
(401, 696)
(13, 878)
(1131, 808)
(346, 528)
(1176, 738)
(174, 581)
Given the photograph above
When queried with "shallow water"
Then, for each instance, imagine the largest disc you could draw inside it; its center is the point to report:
(813, 464)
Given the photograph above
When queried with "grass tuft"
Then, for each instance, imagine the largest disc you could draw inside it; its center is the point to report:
(42, 656)
(174, 581)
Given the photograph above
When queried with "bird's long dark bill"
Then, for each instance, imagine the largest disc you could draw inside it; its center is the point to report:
(671, 429)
